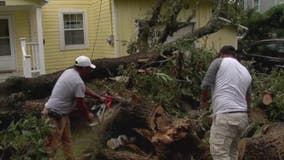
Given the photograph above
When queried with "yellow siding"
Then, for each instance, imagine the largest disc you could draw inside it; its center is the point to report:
(128, 12)
(101, 21)
(225, 36)
(203, 14)
(98, 31)
(21, 28)
(22, 2)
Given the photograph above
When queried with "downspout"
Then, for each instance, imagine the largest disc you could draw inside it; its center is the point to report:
(115, 27)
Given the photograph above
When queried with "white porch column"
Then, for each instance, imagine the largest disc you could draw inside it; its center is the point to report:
(40, 39)
(26, 59)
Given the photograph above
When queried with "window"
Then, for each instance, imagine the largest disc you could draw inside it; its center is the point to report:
(2, 3)
(4, 38)
(73, 30)
(256, 5)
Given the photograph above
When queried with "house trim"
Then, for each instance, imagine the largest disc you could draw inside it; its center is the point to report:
(61, 29)
(256, 5)
(12, 42)
(115, 28)
(40, 39)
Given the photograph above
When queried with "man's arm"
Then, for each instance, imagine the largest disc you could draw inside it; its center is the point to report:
(209, 81)
(204, 99)
(83, 108)
(91, 93)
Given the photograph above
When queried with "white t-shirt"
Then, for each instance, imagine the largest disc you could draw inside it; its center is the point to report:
(230, 83)
(69, 86)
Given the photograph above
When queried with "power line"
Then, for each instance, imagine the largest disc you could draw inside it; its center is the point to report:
(97, 31)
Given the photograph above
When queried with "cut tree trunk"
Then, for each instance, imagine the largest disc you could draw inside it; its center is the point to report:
(123, 155)
(267, 98)
(157, 135)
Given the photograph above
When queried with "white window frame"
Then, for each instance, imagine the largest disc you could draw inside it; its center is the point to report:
(256, 5)
(63, 46)
(13, 60)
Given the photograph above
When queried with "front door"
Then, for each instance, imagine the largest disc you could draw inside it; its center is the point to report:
(7, 60)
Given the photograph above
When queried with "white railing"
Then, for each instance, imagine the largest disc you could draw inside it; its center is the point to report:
(30, 52)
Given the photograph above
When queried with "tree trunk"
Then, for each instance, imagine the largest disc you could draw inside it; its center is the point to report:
(41, 86)
(268, 146)
(14, 92)
(155, 133)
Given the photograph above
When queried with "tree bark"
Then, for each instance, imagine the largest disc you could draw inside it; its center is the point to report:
(270, 145)
(156, 133)
(14, 92)
(40, 87)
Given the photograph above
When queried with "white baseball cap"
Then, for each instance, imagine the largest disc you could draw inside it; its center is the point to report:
(84, 61)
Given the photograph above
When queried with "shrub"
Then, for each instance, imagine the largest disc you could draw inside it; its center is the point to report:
(24, 139)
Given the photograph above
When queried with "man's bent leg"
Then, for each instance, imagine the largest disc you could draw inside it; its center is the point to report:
(234, 149)
(239, 129)
(220, 146)
(67, 140)
(220, 138)
(53, 140)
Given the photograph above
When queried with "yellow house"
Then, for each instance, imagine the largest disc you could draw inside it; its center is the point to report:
(43, 36)
(76, 27)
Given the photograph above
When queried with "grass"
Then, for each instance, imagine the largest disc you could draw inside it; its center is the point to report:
(84, 139)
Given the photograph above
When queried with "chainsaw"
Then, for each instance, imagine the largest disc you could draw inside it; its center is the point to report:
(101, 110)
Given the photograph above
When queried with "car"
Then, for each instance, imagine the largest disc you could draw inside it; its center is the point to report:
(267, 54)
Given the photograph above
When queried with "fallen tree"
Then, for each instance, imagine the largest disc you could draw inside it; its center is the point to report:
(15, 91)
(152, 134)
(41, 86)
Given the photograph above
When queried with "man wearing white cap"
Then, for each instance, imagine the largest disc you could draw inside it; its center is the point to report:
(68, 92)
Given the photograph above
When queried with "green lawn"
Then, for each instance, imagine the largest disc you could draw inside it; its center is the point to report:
(84, 139)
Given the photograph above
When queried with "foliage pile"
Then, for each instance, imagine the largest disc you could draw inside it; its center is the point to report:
(24, 139)
(272, 82)
(176, 85)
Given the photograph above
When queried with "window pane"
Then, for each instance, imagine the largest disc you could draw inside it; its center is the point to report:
(79, 20)
(67, 20)
(256, 4)
(4, 28)
(74, 37)
(5, 47)
(73, 21)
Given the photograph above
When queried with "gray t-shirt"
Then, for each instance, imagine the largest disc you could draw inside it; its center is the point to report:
(230, 83)
(69, 86)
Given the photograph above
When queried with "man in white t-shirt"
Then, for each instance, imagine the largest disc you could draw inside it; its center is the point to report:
(68, 93)
(229, 82)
